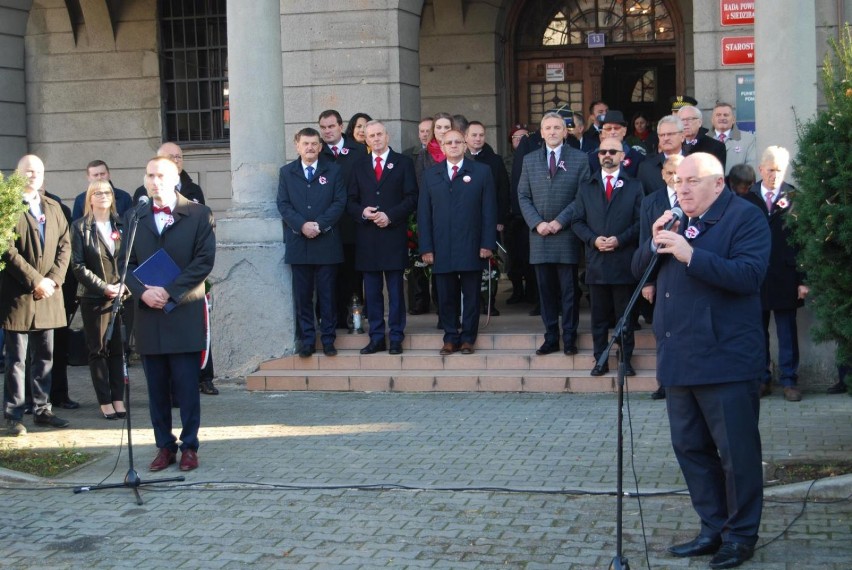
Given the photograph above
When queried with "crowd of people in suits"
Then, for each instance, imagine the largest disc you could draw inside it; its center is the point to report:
(82, 252)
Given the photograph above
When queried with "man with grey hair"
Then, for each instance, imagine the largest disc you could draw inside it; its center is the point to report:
(550, 179)
(670, 133)
(694, 140)
(741, 146)
(784, 289)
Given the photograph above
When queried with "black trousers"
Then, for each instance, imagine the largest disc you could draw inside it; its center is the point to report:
(608, 304)
(37, 347)
(453, 287)
(104, 357)
(558, 294)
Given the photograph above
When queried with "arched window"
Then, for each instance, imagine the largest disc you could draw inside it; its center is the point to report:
(554, 24)
(194, 64)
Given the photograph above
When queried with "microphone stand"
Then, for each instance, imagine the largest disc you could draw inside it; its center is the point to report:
(131, 479)
(620, 562)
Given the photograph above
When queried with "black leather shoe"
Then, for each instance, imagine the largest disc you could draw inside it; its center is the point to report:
(698, 546)
(536, 311)
(417, 311)
(600, 370)
(731, 555)
(547, 348)
(629, 370)
(374, 347)
(395, 348)
(659, 394)
(306, 351)
(49, 420)
(515, 299)
(68, 405)
(839, 388)
(329, 350)
(207, 387)
(570, 350)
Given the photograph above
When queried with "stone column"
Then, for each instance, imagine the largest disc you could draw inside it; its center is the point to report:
(253, 307)
(785, 71)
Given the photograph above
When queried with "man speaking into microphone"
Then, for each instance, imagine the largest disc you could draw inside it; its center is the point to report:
(707, 321)
(169, 322)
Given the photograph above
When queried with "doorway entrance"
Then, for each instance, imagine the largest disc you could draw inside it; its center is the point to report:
(628, 54)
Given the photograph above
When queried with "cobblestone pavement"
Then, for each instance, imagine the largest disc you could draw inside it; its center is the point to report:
(496, 481)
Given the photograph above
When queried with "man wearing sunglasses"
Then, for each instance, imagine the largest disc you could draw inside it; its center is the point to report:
(614, 126)
(606, 220)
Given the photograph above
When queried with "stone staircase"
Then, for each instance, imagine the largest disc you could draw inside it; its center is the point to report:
(504, 361)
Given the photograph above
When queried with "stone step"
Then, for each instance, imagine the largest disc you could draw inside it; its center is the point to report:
(485, 341)
(445, 381)
(429, 360)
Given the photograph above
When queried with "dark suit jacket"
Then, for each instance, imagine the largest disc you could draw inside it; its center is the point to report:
(708, 145)
(457, 218)
(707, 317)
(351, 152)
(191, 243)
(780, 289)
(543, 199)
(595, 217)
(494, 161)
(382, 249)
(27, 263)
(123, 202)
(92, 263)
(188, 189)
(528, 144)
(322, 200)
(651, 173)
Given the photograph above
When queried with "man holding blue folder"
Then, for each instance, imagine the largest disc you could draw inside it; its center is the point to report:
(176, 246)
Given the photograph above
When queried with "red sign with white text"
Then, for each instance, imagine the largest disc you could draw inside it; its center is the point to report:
(737, 13)
(738, 50)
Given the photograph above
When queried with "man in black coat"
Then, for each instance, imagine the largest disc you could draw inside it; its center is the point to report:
(783, 290)
(480, 151)
(457, 221)
(311, 200)
(185, 186)
(606, 220)
(694, 141)
(613, 126)
(670, 133)
(382, 194)
(98, 170)
(169, 317)
(343, 152)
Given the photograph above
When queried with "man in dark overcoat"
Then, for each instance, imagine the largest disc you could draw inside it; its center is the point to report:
(311, 200)
(548, 185)
(169, 319)
(31, 303)
(457, 221)
(606, 220)
(382, 194)
(784, 288)
(710, 354)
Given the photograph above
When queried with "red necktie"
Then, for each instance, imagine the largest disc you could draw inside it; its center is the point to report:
(769, 196)
(455, 171)
(334, 150)
(163, 210)
(722, 137)
(608, 188)
(378, 168)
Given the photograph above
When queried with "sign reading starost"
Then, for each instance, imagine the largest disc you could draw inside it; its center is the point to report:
(738, 50)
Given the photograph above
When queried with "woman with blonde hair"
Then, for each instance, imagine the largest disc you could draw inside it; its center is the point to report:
(95, 244)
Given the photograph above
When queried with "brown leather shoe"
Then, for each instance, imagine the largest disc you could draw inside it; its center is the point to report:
(467, 348)
(765, 390)
(165, 457)
(448, 349)
(792, 394)
(188, 460)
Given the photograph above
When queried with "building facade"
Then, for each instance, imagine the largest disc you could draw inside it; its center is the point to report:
(232, 82)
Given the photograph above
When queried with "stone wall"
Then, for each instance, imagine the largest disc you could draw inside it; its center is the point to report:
(13, 112)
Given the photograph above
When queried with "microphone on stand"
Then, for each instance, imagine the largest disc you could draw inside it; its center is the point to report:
(141, 203)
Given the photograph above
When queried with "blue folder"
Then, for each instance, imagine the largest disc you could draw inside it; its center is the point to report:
(159, 270)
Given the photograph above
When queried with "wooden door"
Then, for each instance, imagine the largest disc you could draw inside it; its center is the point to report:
(545, 84)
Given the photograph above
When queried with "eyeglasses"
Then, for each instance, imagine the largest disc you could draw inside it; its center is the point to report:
(101, 194)
(608, 151)
(517, 137)
(689, 119)
(176, 156)
(611, 129)
(661, 135)
(453, 142)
